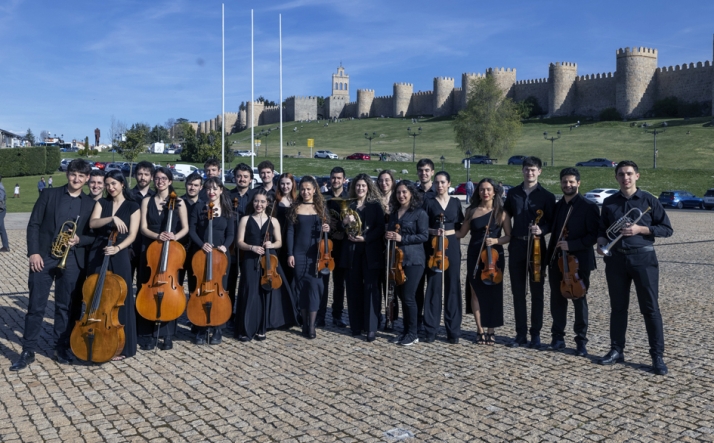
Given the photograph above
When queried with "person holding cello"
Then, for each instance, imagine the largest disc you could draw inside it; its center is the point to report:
(223, 232)
(265, 294)
(409, 227)
(485, 218)
(445, 218)
(154, 220)
(574, 231)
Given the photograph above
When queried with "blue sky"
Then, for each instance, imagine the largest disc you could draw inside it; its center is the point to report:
(69, 66)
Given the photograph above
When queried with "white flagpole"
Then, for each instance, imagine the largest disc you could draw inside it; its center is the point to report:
(223, 96)
(252, 100)
(280, 22)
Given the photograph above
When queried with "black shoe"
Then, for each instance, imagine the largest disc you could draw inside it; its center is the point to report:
(320, 323)
(581, 350)
(63, 356)
(167, 344)
(258, 337)
(409, 340)
(26, 357)
(429, 339)
(4, 249)
(312, 335)
(612, 357)
(556, 345)
(339, 323)
(147, 346)
(200, 339)
(371, 336)
(658, 366)
(420, 329)
(454, 340)
(356, 333)
(518, 341)
(243, 338)
(398, 338)
(535, 342)
(216, 338)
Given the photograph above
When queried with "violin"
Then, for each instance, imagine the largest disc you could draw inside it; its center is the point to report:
(270, 278)
(209, 304)
(325, 262)
(491, 274)
(439, 262)
(395, 277)
(571, 285)
(535, 249)
(396, 259)
(162, 299)
(98, 336)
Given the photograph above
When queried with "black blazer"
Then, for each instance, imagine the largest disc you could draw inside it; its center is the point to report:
(414, 229)
(373, 221)
(44, 226)
(582, 230)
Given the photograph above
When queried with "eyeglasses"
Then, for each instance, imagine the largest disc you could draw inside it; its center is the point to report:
(161, 179)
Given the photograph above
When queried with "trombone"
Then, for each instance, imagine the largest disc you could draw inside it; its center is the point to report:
(614, 232)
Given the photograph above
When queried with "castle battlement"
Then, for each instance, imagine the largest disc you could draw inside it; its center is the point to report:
(532, 81)
(383, 97)
(420, 93)
(706, 64)
(472, 74)
(499, 70)
(635, 51)
(366, 90)
(564, 65)
(444, 78)
(404, 84)
(593, 76)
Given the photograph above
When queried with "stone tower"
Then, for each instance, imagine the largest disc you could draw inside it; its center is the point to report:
(402, 97)
(505, 79)
(561, 88)
(468, 80)
(365, 97)
(341, 84)
(634, 80)
(443, 96)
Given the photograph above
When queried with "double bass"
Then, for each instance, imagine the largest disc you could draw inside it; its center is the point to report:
(325, 262)
(269, 278)
(571, 285)
(395, 277)
(209, 304)
(98, 336)
(162, 299)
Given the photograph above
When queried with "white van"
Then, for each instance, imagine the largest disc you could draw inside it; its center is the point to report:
(185, 169)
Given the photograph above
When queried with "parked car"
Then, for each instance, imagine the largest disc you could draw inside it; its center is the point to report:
(228, 177)
(461, 190)
(358, 156)
(598, 162)
(480, 160)
(128, 168)
(178, 176)
(599, 195)
(113, 167)
(709, 199)
(64, 163)
(169, 151)
(516, 160)
(185, 169)
(243, 153)
(326, 154)
(680, 199)
(101, 165)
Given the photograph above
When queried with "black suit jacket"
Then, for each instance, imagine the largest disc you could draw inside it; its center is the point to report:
(582, 230)
(44, 226)
(373, 233)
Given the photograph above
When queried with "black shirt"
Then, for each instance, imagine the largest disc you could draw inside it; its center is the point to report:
(138, 196)
(428, 191)
(522, 207)
(243, 201)
(68, 207)
(616, 205)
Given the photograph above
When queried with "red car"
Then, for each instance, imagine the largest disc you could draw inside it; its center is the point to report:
(101, 165)
(460, 190)
(358, 156)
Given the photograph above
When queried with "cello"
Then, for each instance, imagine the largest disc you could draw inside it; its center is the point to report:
(98, 336)
(270, 278)
(162, 299)
(395, 277)
(325, 262)
(209, 304)
(571, 285)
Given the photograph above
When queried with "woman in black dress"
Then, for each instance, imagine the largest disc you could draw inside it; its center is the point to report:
(414, 231)
(285, 195)
(261, 309)
(154, 227)
(117, 211)
(223, 235)
(486, 300)
(363, 257)
(450, 207)
(307, 219)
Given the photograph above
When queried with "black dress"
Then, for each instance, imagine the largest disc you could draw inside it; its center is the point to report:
(156, 222)
(490, 297)
(281, 213)
(281, 303)
(303, 238)
(120, 265)
(453, 219)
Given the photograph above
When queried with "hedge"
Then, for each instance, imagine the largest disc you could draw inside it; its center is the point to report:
(15, 162)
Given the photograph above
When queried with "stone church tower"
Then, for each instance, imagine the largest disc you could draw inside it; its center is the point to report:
(341, 84)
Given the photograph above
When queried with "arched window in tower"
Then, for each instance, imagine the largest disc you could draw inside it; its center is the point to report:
(336, 85)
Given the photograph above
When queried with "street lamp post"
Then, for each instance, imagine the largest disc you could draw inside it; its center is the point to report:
(266, 133)
(552, 146)
(370, 138)
(468, 166)
(414, 135)
(654, 132)
(442, 162)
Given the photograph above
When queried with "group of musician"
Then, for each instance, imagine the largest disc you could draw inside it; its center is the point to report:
(382, 244)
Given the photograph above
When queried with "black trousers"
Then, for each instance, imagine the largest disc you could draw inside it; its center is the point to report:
(421, 287)
(517, 261)
(453, 307)
(559, 307)
(407, 294)
(363, 295)
(39, 283)
(339, 276)
(642, 269)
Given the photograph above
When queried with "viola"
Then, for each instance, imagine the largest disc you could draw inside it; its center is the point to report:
(439, 262)
(325, 262)
(98, 336)
(162, 299)
(535, 249)
(270, 278)
(491, 274)
(209, 304)
(571, 285)
(395, 277)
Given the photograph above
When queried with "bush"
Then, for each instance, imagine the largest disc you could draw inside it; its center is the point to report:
(15, 162)
(610, 114)
(53, 159)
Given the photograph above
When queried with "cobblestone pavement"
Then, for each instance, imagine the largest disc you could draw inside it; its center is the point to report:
(338, 388)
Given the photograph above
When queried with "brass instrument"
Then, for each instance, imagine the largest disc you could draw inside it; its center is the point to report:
(354, 228)
(60, 245)
(614, 231)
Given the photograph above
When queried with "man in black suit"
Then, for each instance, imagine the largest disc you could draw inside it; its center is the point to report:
(583, 221)
(144, 174)
(53, 208)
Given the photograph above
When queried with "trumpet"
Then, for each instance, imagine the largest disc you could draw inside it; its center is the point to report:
(614, 232)
(354, 228)
(60, 245)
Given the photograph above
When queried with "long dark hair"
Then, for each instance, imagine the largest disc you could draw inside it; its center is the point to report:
(118, 176)
(268, 197)
(372, 192)
(497, 201)
(414, 203)
(167, 172)
(226, 207)
(317, 200)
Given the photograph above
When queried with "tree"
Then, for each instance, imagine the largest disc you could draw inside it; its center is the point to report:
(30, 137)
(189, 145)
(266, 102)
(490, 124)
(134, 144)
(158, 133)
